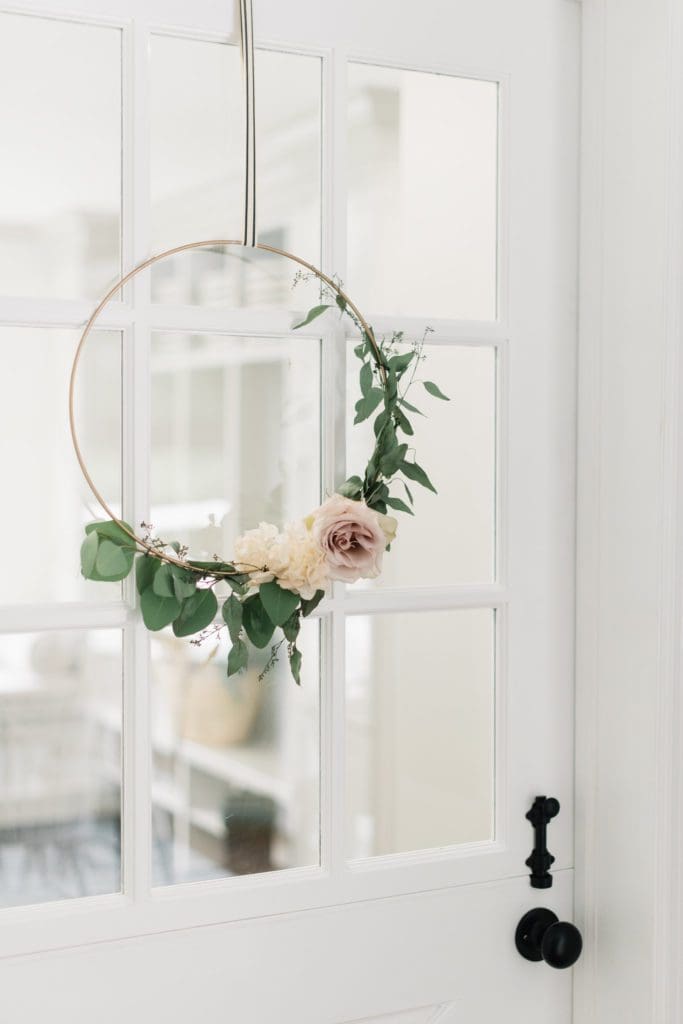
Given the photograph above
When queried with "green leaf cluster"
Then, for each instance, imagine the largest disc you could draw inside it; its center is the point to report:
(387, 373)
(173, 595)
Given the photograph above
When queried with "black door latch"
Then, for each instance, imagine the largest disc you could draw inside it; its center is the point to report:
(543, 810)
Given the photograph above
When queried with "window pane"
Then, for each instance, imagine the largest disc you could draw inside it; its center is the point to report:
(422, 203)
(420, 730)
(50, 500)
(60, 773)
(235, 762)
(235, 435)
(197, 153)
(451, 538)
(235, 440)
(60, 181)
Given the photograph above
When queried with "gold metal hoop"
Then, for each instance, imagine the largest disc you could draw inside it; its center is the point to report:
(366, 330)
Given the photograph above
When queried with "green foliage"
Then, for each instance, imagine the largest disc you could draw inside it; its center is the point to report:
(434, 390)
(184, 582)
(278, 603)
(162, 584)
(258, 625)
(113, 532)
(88, 555)
(238, 657)
(366, 405)
(309, 605)
(107, 553)
(352, 488)
(292, 626)
(398, 505)
(113, 562)
(417, 473)
(196, 613)
(311, 315)
(158, 612)
(232, 616)
(295, 664)
(145, 568)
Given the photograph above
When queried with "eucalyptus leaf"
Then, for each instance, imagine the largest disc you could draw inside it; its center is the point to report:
(113, 562)
(292, 626)
(399, 505)
(238, 657)
(417, 473)
(162, 584)
(400, 363)
(387, 441)
(89, 555)
(310, 604)
(365, 379)
(213, 567)
(295, 664)
(232, 616)
(278, 603)
(184, 582)
(196, 613)
(145, 569)
(112, 531)
(381, 421)
(311, 315)
(403, 422)
(257, 624)
(341, 302)
(158, 612)
(366, 406)
(435, 390)
(393, 460)
(351, 488)
(411, 408)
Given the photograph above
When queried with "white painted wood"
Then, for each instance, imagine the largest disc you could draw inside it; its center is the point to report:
(394, 934)
(326, 967)
(629, 743)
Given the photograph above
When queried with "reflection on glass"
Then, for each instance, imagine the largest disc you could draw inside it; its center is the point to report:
(197, 171)
(52, 502)
(60, 770)
(451, 539)
(419, 730)
(60, 191)
(422, 193)
(235, 435)
(235, 762)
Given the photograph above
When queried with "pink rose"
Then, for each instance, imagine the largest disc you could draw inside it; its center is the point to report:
(352, 537)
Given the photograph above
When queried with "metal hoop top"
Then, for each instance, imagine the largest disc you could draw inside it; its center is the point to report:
(366, 330)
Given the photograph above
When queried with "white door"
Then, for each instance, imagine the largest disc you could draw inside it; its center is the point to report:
(355, 849)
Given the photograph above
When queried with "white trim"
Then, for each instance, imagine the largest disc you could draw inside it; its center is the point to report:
(629, 777)
(668, 898)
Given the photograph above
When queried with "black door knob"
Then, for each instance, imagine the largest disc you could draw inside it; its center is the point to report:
(541, 935)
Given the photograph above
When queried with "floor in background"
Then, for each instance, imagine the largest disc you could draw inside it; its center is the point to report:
(67, 861)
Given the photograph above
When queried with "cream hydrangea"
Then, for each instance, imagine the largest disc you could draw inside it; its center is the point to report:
(253, 553)
(293, 557)
(299, 562)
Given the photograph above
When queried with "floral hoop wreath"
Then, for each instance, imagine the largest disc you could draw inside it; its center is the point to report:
(276, 577)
